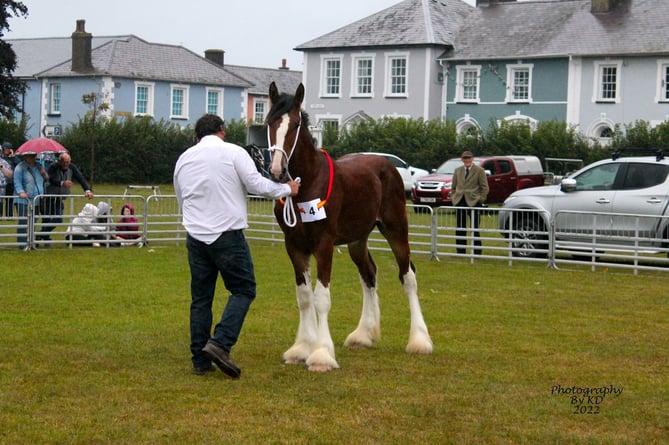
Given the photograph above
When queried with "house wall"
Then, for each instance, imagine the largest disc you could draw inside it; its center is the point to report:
(119, 93)
(549, 80)
(638, 94)
(423, 98)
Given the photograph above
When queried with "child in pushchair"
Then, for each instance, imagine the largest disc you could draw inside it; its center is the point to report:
(91, 225)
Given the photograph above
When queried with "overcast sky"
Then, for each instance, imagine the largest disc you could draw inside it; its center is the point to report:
(255, 33)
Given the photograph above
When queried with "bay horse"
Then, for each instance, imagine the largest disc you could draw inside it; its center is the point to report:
(339, 202)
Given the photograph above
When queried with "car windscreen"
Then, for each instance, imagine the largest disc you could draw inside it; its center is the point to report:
(448, 167)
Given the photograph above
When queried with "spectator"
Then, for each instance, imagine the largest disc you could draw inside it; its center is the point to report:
(469, 189)
(11, 160)
(211, 181)
(28, 183)
(91, 224)
(6, 178)
(61, 174)
(128, 229)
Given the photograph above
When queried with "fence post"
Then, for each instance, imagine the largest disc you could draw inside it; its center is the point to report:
(433, 235)
(552, 261)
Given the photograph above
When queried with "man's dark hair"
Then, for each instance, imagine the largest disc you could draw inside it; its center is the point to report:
(208, 124)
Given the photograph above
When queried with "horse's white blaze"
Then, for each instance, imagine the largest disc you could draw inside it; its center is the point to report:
(306, 338)
(419, 338)
(277, 155)
(369, 326)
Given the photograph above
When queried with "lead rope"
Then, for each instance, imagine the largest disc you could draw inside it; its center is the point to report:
(289, 216)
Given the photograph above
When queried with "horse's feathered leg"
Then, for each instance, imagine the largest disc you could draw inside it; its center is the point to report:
(419, 338)
(322, 358)
(307, 329)
(398, 238)
(369, 326)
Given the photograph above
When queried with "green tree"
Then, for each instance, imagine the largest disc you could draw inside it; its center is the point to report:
(11, 88)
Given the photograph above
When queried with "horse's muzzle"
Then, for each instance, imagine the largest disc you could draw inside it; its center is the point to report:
(283, 176)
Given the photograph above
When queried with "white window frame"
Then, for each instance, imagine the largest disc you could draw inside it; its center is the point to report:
(150, 87)
(511, 71)
(185, 89)
(219, 104)
(326, 77)
(265, 108)
(662, 81)
(599, 67)
(389, 75)
(460, 86)
(356, 59)
(55, 95)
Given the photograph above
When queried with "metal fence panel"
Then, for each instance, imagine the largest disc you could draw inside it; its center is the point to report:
(638, 242)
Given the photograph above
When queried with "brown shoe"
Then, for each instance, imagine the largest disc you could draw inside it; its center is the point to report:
(222, 360)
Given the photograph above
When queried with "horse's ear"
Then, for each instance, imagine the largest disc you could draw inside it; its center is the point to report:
(299, 95)
(273, 93)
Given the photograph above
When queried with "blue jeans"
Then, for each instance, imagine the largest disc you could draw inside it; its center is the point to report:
(22, 227)
(230, 257)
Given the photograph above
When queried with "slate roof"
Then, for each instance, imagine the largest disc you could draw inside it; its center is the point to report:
(136, 58)
(409, 23)
(286, 80)
(36, 55)
(561, 28)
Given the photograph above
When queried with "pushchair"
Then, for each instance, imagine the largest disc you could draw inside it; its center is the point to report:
(91, 226)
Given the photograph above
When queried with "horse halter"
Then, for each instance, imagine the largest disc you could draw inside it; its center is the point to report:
(289, 216)
(273, 148)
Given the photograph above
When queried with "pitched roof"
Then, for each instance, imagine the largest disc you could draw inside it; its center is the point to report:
(286, 80)
(36, 55)
(411, 22)
(561, 28)
(133, 57)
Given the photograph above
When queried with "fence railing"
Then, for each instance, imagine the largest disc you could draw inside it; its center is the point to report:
(636, 242)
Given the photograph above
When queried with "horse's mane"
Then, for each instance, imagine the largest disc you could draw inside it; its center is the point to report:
(283, 106)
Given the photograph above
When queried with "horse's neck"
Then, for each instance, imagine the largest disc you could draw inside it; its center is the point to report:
(307, 162)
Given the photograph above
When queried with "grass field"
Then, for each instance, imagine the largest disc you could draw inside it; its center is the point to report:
(94, 350)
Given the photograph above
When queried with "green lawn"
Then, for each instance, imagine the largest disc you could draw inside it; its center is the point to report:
(94, 350)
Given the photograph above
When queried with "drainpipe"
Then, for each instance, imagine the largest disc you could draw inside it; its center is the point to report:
(444, 89)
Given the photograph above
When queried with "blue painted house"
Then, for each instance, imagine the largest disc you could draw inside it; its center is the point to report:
(132, 76)
(595, 64)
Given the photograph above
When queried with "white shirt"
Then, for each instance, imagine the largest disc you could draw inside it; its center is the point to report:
(211, 181)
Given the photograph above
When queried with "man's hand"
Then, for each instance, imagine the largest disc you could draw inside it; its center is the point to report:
(294, 187)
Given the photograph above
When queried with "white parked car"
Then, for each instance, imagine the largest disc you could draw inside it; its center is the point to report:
(409, 174)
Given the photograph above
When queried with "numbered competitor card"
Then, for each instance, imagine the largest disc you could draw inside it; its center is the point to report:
(310, 212)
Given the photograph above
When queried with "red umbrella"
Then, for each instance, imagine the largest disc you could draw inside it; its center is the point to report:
(40, 145)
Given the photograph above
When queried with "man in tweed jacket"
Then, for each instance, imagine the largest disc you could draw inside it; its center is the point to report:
(468, 189)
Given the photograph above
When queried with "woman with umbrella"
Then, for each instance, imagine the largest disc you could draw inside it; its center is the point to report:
(29, 179)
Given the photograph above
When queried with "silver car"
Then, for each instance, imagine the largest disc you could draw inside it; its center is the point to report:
(614, 202)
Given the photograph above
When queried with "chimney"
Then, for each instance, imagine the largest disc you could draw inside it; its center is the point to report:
(81, 49)
(602, 6)
(215, 55)
(283, 65)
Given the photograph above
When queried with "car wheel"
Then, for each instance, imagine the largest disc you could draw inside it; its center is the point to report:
(528, 238)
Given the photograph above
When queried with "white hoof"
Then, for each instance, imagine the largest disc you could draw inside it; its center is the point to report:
(321, 360)
(361, 339)
(419, 344)
(297, 354)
